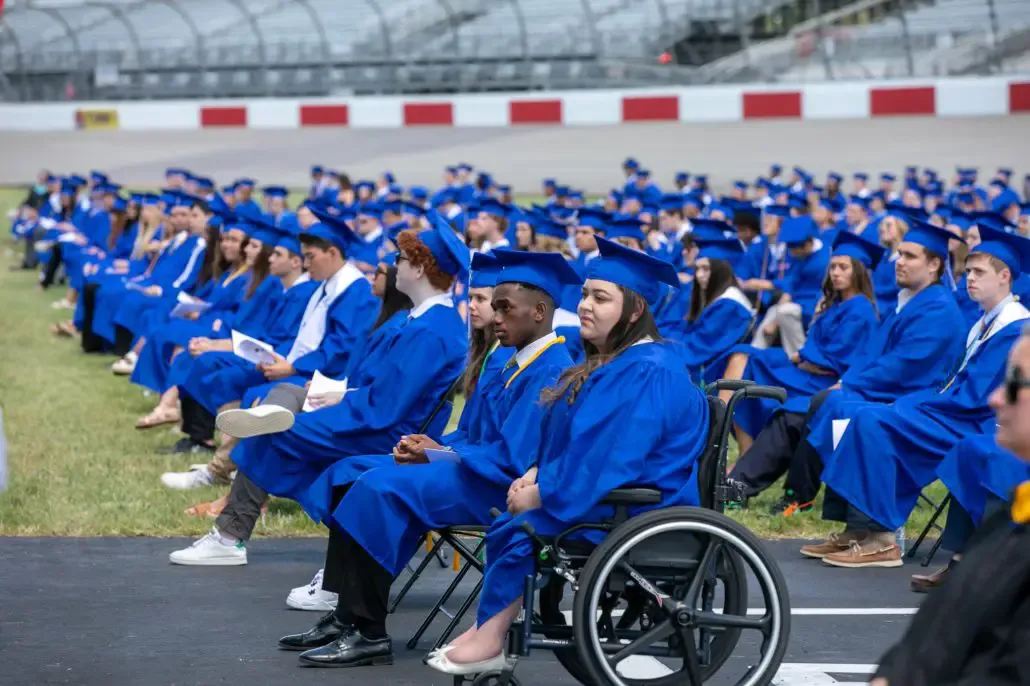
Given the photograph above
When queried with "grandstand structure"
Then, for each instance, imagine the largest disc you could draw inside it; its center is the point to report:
(166, 49)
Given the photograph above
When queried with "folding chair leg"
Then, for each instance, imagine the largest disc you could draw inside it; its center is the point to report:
(929, 525)
(933, 551)
(439, 606)
(459, 615)
(414, 576)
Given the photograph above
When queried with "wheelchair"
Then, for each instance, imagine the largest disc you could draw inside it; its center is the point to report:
(670, 584)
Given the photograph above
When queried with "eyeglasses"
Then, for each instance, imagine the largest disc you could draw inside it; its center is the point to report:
(401, 257)
(1014, 382)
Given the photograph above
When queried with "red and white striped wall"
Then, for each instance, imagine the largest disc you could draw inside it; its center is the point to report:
(959, 97)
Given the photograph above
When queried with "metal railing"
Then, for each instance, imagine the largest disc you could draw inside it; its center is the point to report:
(105, 49)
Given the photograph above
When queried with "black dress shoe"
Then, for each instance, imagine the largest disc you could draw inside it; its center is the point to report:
(351, 649)
(328, 629)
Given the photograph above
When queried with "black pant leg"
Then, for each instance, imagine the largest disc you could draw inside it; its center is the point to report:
(770, 454)
(364, 589)
(804, 475)
(335, 553)
(122, 340)
(197, 422)
(835, 508)
(241, 513)
(56, 257)
(91, 343)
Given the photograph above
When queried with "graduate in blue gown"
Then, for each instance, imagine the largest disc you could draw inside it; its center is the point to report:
(888, 454)
(389, 508)
(768, 260)
(845, 319)
(892, 230)
(585, 451)
(720, 315)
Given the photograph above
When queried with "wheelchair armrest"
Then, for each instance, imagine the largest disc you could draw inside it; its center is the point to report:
(728, 385)
(632, 496)
(771, 392)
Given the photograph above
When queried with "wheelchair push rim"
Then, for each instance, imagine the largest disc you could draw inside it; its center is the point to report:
(683, 617)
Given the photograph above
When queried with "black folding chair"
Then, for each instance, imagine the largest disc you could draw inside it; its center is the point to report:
(938, 510)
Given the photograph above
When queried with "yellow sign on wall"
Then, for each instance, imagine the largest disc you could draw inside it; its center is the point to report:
(96, 119)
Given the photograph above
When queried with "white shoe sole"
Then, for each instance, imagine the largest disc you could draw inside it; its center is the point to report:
(257, 421)
(863, 565)
(169, 479)
(308, 605)
(208, 561)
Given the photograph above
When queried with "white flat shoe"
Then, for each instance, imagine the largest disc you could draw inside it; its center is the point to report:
(442, 650)
(257, 421)
(442, 663)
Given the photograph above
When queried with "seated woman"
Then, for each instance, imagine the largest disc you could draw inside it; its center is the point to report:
(844, 321)
(720, 315)
(629, 378)
(892, 230)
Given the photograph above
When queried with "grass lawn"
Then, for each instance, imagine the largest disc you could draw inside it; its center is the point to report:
(77, 467)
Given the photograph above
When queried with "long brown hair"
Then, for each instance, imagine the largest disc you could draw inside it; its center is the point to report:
(259, 270)
(215, 263)
(393, 300)
(624, 334)
(119, 224)
(861, 281)
(720, 277)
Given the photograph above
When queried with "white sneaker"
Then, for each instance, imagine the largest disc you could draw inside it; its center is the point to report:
(184, 481)
(124, 366)
(209, 551)
(62, 304)
(257, 421)
(312, 597)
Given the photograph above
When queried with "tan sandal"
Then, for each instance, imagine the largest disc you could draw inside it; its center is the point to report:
(67, 329)
(158, 417)
(215, 507)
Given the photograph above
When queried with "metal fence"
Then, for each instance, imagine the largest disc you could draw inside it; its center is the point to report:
(71, 49)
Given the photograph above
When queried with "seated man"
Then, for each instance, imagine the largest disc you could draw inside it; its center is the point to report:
(889, 453)
(980, 474)
(973, 630)
(915, 347)
(395, 390)
(382, 514)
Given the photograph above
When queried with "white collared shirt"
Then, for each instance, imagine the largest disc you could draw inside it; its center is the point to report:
(488, 245)
(312, 326)
(443, 299)
(591, 255)
(373, 235)
(522, 357)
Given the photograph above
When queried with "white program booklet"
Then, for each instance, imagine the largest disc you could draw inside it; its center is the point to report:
(251, 349)
(839, 427)
(187, 304)
(442, 456)
(321, 384)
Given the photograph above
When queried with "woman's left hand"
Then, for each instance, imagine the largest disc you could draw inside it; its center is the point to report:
(524, 499)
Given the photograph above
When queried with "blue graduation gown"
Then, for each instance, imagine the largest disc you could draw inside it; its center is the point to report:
(885, 285)
(760, 262)
(348, 321)
(889, 453)
(705, 344)
(388, 510)
(836, 338)
(586, 451)
(977, 467)
(805, 281)
(396, 388)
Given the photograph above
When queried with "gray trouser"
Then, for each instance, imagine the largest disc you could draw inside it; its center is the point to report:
(788, 321)
(243, 509)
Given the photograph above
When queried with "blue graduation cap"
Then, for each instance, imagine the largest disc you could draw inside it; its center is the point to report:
(797, 202)
(78, 181)
(853, 245)
(1005, 171)
(545, 226)
(931, 237)
(261, 229)
(317, 169)
(120, 204)
(692, 200)
(452, 170)
(992, 220)
(275, 191)
(701, 180)
(740, 185)
(1024, 210)
(68, 188)
(911, 170)
(332, 228)
(494, 207)
(729, 250)
(465, 167)
(394, 230)
(958, 218)
(775, 169)
(593, 217)
(905, 212)
(204, 183)
(484, 270)
(388, 177)
(244, 183)
(287, 237)
(561, 191)
(148, 199)
(370, 209)
(798, 230)
(630, 163)
(643, 173)
(412, 208)
(452, 255)
(671, 202)
(96, 177)
(229, 190)
(1010, 248)
(625, 227)
(778, 210)
(419, 193)
(221, 208)
(681, 177)
(632, 269)
(548, 271)
(106, 188)
(888, 177)
(175, 171)
(861, 176)
(550, 183)
(834, 176)
(1004, 200)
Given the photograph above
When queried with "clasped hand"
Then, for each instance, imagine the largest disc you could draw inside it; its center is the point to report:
(280, 369)
(524, 493)
(320, 400)
(412, 449)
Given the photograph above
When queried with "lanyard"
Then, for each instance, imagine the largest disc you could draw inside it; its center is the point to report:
(492, 350)
(236, 273)
(538, 353)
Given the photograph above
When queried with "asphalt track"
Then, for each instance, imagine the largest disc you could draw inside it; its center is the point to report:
(114, 611)
(587, 157)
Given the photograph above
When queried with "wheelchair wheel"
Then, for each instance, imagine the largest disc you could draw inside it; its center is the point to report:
(493, 679)
(667, 562)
